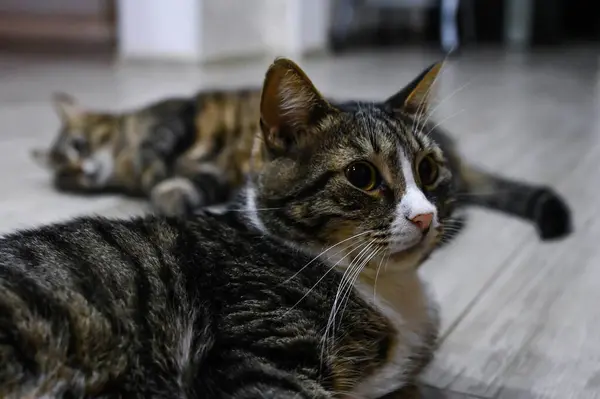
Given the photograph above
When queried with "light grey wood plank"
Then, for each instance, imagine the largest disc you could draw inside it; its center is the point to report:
(511, 131)
(428, 392)
(531, 335)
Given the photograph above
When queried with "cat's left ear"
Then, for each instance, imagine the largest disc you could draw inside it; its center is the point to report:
(415, 97)
(67, 107)
(291, 107)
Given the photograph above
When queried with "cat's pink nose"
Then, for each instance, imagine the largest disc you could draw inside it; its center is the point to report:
(423, 221)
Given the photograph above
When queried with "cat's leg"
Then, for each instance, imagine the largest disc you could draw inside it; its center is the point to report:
(191, 191)
(158, 149)
(539, 204)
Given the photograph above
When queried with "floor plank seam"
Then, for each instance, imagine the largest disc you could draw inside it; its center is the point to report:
(473, 302)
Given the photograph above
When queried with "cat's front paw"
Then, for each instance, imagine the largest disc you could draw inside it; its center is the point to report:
(176, 196)
(552, 215)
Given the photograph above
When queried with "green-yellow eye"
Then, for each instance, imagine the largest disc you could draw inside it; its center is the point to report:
(363, 175)
(428, 170)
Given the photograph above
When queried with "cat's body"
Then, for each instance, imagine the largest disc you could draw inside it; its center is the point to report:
(190, 309)
(182, 153)
(185, 154)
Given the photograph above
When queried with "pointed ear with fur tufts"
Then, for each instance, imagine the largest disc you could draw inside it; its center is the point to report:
(415, 97)
(67, 107)
(291, 108)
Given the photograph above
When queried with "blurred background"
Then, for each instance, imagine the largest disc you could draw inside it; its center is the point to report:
(520, 92)
(211, 30)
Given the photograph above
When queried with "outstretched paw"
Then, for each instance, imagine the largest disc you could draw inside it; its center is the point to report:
(552, 215)
(174, 197)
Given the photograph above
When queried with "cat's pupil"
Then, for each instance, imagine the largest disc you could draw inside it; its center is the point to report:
(427, 171)
(362, 175)
(79, 144)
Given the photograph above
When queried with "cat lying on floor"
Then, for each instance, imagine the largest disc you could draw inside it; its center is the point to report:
(313, 293)
(188, 153)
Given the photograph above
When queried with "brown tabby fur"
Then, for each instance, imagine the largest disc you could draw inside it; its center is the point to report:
(181, 153)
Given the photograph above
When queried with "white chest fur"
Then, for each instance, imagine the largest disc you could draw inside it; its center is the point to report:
(405, 301)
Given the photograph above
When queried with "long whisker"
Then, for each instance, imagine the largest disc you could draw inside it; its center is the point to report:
(429, 131)
(439, 104)
(348, 291)
(351, 281)
(346, 277)
(321, 279)
(355, 277)
(422, 108)
(319, 255)
(331, 321)
(377, 274)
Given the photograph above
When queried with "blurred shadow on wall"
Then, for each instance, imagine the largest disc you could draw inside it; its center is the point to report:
(58, 27)
(385, 23)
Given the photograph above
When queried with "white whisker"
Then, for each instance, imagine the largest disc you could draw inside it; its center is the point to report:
(422, 109)
(377, 274)
(319, 255)
(439, 104)
(318, 281)
(355, 277)
(331, 320)
(444, 120)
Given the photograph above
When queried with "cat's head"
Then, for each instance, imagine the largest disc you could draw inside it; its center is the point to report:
(359, 176)
(81, 156)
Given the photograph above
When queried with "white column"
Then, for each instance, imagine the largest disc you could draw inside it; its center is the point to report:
(211, 30)
(518, 23)
(159, 29)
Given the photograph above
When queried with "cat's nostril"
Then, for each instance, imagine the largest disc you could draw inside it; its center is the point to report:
(422, 221)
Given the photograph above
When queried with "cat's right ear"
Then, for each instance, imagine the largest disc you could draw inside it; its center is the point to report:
(291, 107)
(415, 97)
(67, 107)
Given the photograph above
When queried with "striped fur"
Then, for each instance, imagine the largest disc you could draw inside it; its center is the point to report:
(182, 153)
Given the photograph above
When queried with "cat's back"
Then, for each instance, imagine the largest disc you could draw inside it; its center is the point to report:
(93, 301)
(99, 301)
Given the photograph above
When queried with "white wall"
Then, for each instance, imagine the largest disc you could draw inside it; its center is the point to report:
(159, 29)
(314, 21)
(293, 27)
(231, 28)
(210, 30)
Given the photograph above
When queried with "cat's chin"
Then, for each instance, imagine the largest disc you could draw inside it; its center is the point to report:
(412, 257)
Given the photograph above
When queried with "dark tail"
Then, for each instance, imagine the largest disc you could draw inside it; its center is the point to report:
(538, 204)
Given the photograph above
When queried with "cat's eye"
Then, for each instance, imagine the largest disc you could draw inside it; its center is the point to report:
(79, 144)
(428, 170)
(363, 175)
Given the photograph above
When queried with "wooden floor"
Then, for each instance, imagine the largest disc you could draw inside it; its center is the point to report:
(521, 318)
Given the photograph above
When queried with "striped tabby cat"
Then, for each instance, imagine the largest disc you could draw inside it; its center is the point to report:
(187, 153)
(312, 293)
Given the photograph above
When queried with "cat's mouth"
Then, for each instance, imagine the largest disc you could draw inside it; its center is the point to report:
(411, 244)
(419, 245)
